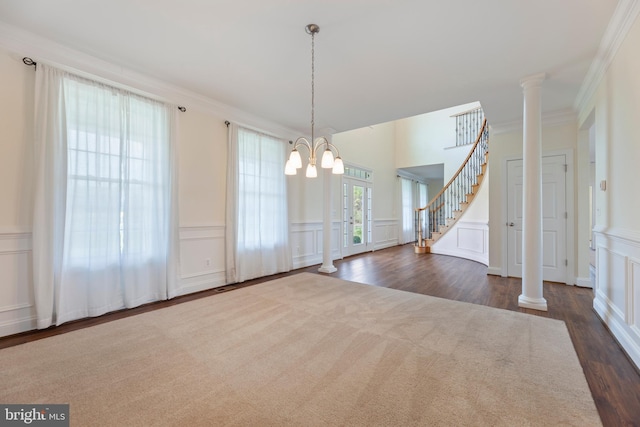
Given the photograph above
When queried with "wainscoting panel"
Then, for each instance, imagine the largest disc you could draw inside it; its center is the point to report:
(467, 239)
(634, 297)
(17, 311)
(617, 287)
(306, 243)
(202, 258)
(385, 233)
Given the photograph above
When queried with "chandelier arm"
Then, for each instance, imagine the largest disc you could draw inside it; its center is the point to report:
(302, 141)
(324, 142)
(334, 147)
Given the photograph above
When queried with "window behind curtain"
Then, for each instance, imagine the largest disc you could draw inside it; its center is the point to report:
(117, 171)
(407, 210)
(257, 195)
(422, 202)
(262, 190)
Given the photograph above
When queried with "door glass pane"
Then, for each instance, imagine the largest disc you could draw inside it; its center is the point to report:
(369, 215)
(358, 214)
(345, 216)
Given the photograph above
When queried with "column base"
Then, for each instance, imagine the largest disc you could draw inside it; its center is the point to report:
(532, 303)
(327, 269)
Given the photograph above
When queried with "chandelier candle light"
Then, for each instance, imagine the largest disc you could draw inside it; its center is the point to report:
(328, 160)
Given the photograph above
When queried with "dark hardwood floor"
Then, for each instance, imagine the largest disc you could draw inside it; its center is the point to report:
(614, 381)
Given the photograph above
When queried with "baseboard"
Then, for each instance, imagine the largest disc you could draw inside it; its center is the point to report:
(384, 245)
(472, 256)
(197, 283)
(619, 329)
(17, 326)
(494, 271)
(584, 282)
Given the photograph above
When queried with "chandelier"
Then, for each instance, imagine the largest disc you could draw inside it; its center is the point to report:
(328, 160)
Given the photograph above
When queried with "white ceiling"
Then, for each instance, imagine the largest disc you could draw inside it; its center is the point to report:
(376, 60)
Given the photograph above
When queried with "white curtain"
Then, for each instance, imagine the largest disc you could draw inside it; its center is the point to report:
(257, 222)
(106, 219)
(422, 202)
(407, 197)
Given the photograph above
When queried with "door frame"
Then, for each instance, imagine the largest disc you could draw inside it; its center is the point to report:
(570, 278)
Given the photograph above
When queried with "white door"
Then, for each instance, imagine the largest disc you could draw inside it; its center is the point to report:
(356, 216)
(554, 218)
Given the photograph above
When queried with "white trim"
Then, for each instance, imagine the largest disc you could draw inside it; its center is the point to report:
(618, 329)
(15, 243)
(202, 233)
(198, 225)
(23, 324)
(450, 243)
(495, 271)
(389, 240)
(201, 282)
(621, 318)
(628, 236)
(15, 307)
(549, 119)
(623, 18)
(584, 282)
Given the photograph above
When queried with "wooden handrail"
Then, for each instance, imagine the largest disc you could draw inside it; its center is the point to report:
(455, 175)
(437, 208)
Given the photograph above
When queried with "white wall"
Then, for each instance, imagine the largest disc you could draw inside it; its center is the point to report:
(615, 106)
(423, 138)
(17, 95)
(373, 148)
(202, 143)
(16, 169)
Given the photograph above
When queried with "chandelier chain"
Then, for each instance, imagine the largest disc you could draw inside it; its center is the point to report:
(312, 84)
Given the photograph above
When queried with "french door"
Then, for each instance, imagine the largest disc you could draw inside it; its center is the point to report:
(357, 233)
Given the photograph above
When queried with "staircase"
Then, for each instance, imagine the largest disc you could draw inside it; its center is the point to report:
(442, 212)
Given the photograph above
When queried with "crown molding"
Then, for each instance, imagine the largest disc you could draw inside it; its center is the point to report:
(23, 43)
(549, 119)
(623, 18)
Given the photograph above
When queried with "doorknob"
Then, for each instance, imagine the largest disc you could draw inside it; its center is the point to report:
(510, 224)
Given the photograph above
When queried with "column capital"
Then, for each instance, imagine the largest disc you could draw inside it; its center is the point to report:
(533, 80)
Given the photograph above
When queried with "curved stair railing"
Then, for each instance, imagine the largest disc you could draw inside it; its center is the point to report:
(433, 220)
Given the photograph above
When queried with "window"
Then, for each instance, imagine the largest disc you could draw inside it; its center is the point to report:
(407, 195)
(117, 175)
(257, 220)
(105, 223)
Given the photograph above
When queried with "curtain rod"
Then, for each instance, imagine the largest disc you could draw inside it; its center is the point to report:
(30, 62)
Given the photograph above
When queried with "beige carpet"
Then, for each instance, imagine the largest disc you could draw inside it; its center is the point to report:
(309, 350)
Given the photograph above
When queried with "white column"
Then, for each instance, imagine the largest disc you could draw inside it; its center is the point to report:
(327, 261)
(532, 196)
